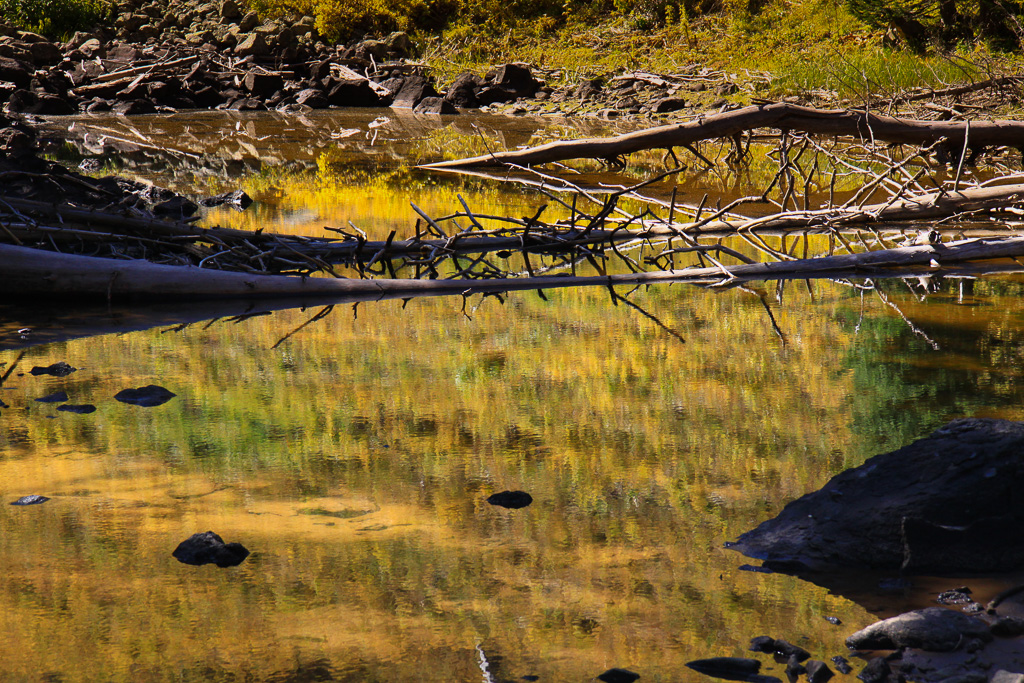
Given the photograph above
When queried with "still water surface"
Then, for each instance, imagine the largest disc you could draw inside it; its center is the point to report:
(354, 459)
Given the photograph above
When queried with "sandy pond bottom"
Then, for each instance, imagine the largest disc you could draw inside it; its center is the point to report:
(354, 460)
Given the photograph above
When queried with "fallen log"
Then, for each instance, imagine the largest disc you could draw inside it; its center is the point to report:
(31, 273)
(780, 115)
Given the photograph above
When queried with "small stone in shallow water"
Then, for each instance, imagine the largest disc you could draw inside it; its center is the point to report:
(56, 397)
(617, 675)
(83, 409)
(148, 396)
(511, 499)
(835, 621)
(732, 669)
(207, 548)
(842, 664)
(30, 500)
(60, 369)
(818, 672)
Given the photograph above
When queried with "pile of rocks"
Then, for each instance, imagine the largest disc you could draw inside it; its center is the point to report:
(163, 55)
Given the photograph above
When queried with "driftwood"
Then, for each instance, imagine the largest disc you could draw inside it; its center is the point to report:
(783, 116)
(33, 273)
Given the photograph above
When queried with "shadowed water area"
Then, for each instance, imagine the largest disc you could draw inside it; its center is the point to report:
(354, 456)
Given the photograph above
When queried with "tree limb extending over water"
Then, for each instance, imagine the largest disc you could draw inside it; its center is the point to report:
(955, 135)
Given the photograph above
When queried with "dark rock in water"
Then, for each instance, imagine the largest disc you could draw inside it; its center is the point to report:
(515, 78)
(1007, 627)
(842, 665)
(877, 671)
(511, 499)
(314, 98)
(787, 650)
(30, 500)
(794, 669)
(352, 93)
(956, 596)
(435, 105)
(944, 504)
(134, 108)
(781, 648)
(462, 91)
(147, 396)
(414, 89)
(209, 548)
(934, 629)
(818, 672)
(60, 369)
(80, 409)
(617, 675)
(237, 199)
(732, 669)
(56, 397)
(835, 621)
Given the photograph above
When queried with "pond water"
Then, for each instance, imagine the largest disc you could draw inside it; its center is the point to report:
(354, 458)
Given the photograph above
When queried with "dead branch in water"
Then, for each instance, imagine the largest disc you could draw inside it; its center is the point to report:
(953, 135)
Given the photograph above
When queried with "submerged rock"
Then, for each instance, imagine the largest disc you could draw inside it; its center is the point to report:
(30, 500)
(55, 397)
(79, 409)
(147, 396)
(732, 669)
(209, 548)
(617, 675)
(60, 369)
(511, 499)
(942, 505)
(933, 629)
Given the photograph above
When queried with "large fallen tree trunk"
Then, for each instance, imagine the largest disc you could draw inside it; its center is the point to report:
(783, 116)
(31, 273)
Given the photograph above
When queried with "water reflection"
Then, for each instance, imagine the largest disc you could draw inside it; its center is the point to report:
(355, 461)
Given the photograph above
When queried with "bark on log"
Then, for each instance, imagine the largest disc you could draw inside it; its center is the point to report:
(780, 115)
(28, 273)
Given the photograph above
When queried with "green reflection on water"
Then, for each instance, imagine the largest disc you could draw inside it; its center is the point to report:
(355, 460)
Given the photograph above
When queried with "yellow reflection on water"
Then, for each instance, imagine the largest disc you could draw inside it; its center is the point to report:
(355, 459)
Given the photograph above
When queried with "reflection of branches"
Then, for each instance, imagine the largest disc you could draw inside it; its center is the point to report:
(771, 316)
(321, 314)
(913, 328)
(616, 297)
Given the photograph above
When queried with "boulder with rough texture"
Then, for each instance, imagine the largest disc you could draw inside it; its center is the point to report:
(934, 629)
(209, 548)
(516, 78)
(949, 503)
(435, 105)
(414, 89)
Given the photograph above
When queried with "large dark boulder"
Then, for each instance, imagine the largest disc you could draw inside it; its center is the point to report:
(515, 78)
(462, 92)
(947, 504)
(209, 548)
(351, 93)
(414, 89)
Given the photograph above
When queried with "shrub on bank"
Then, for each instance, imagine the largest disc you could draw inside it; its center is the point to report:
(57, 18)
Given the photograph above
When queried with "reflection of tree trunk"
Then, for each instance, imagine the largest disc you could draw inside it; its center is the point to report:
(839, 122)
(48, 273)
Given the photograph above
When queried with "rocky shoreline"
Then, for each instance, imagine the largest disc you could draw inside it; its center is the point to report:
(169, 55)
